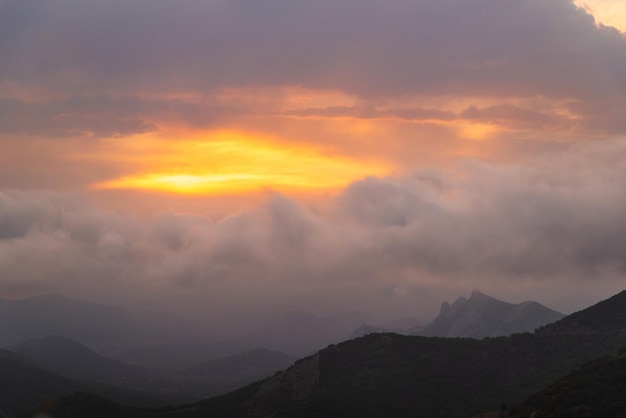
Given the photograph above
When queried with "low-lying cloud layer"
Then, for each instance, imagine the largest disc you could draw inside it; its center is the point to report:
(386, 245)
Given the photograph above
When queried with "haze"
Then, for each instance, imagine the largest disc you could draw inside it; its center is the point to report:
(233, 160)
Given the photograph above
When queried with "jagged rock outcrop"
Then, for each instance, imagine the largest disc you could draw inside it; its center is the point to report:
(484, 316)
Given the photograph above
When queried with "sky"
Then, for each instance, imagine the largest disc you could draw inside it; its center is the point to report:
(240, 158)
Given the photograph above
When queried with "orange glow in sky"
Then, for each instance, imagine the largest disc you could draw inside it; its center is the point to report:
(232, 163)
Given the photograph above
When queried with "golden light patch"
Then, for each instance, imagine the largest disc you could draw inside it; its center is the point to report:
(473, 130)
(233, 163)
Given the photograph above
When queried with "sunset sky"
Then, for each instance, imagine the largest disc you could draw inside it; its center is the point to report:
(227, 157)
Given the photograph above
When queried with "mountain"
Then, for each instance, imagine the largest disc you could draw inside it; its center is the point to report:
(399, 326)
(71, 359)
(396, 376)
(24, 386)
(606, 316)
(252, 364)
(367, 329)
(74, 405)
(178, 356)
(483, 316)
(594, 390)
(407, 376)
(160, 339)
(89, 323)
(410, 376)
(218, 376)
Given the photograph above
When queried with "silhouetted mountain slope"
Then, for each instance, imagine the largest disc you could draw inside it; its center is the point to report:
(73, 406)
(390, 375)
(597, 389)
(71, 359)
(23, 385)
(483, 316)
(607, 315)
(408, 326)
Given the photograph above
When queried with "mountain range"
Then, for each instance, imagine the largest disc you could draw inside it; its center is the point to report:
(72, 360)
(158, 339)
(89, 323)
(24, 384)
(390, 375)
(68, 358)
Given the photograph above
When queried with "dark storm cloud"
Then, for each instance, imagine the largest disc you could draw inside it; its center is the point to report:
(556, 221)
(372, 48)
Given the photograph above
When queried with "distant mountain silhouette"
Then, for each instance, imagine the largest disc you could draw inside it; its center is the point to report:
(86, 322)
(178, 355)
(24, 386)
(250, 365)
(396, 376)
(71, 359)
(484, 316)
(219, 376)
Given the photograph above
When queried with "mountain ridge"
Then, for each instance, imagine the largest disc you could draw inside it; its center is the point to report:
(68, 358)
(398, 376)
(483, 316)
(606, 315)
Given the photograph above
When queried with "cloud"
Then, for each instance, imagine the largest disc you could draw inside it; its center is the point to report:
(507, 116)
(408, 81)
(558, 222)
(111, 68)
(368, 49)
(71, 118)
